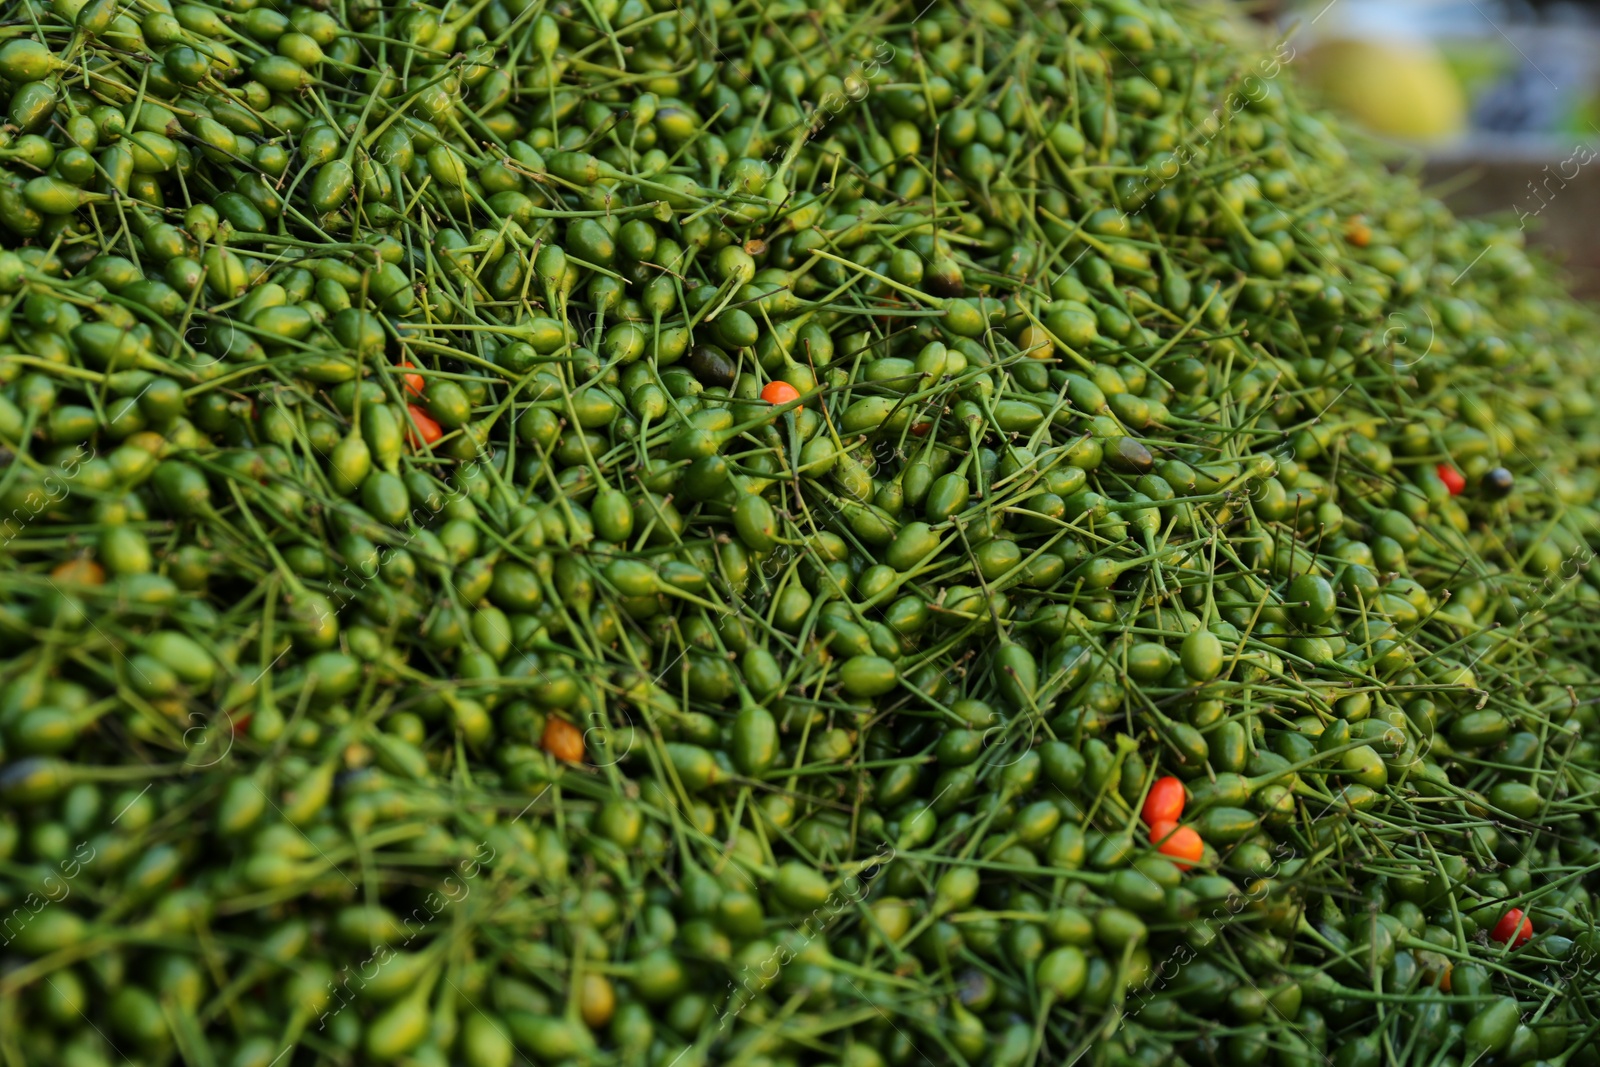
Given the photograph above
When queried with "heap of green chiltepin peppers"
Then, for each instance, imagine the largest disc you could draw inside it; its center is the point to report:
(633, 533)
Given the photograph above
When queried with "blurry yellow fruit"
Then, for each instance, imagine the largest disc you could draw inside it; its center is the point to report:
(1400, 90)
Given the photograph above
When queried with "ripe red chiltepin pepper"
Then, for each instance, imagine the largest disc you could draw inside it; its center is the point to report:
(776, 393)
(426, 427)
(1453, 479)
(413, 381)
(1164, 802)
(1181, 844)
(1514, 929)
(562, 740)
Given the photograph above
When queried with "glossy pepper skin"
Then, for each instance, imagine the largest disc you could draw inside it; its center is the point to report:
(1512, 929)
(1182, 844)
(1165, 801)
(810, 533)
(776, 393)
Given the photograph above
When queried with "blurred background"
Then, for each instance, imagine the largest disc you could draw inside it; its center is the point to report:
(1497, 102)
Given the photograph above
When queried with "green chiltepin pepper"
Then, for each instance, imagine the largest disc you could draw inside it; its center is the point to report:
(349, 464)
(1201, 655)
(572, 543)
(755, 738)
(24, 60)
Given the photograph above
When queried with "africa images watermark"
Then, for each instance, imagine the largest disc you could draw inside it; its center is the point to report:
(1253, 90)
(1160, 977)
(1582, 156)
(1166, 170)
(52, 489)
(419, 919)
(18, 921)
(754, 980)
